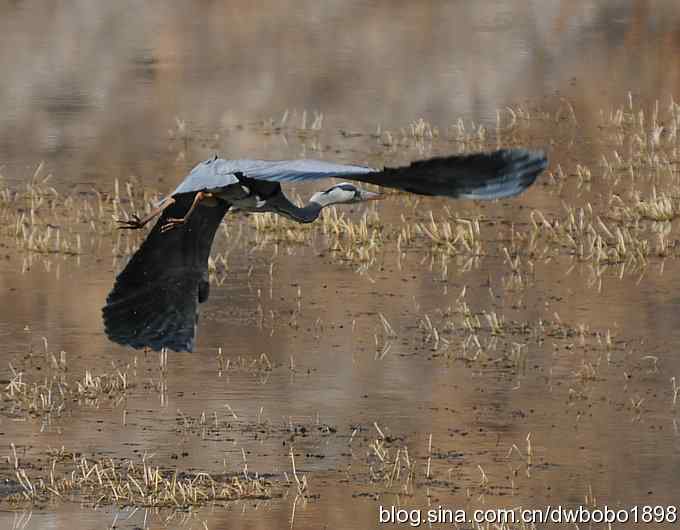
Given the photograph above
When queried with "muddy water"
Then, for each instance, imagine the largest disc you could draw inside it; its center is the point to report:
(570, 401)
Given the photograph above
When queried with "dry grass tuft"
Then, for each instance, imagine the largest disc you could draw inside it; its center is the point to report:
(106, 481)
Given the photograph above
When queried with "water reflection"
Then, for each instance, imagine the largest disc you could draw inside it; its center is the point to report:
(94, 87)
(537, 367)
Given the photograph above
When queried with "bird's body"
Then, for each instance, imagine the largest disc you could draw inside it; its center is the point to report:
(154, 301)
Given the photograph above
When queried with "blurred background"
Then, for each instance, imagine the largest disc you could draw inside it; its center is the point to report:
(94, 86)
(105, 91)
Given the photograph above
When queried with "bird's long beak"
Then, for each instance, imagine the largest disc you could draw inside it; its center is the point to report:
(370, 196)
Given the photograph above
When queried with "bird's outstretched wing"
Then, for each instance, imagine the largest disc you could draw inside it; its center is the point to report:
(219, 173)
(484, 176)
(479, 176)
(154, 300)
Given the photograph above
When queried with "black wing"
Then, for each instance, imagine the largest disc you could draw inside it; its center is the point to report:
(484, 176)
(154, 300)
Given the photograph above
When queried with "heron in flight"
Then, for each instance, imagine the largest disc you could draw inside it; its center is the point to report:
(155, 298)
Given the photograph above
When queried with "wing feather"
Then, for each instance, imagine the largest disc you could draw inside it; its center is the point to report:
(154, 300)
(482, 176)
(485, 176)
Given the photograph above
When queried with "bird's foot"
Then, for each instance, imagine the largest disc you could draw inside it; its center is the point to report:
(135, 223)
(172, 223)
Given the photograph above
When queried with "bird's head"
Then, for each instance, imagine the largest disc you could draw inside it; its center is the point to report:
(343, 193)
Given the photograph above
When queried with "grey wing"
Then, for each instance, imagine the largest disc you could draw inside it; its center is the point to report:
(294, 170)
(484, 176)
(219, 173)
(209, 175)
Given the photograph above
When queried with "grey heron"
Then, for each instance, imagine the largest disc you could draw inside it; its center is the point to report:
(155, 298)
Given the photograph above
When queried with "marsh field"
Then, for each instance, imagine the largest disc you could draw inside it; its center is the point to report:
(417, 352)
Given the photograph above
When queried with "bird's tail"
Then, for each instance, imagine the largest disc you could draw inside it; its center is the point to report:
(483, 176)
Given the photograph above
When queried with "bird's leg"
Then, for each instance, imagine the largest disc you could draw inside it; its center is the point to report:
(136, 223)
(174, 222)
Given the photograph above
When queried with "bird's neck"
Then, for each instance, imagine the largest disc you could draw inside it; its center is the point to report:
(280, 204)
(305, 214)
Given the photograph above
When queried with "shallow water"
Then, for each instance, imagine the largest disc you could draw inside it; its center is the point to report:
(547, 411)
